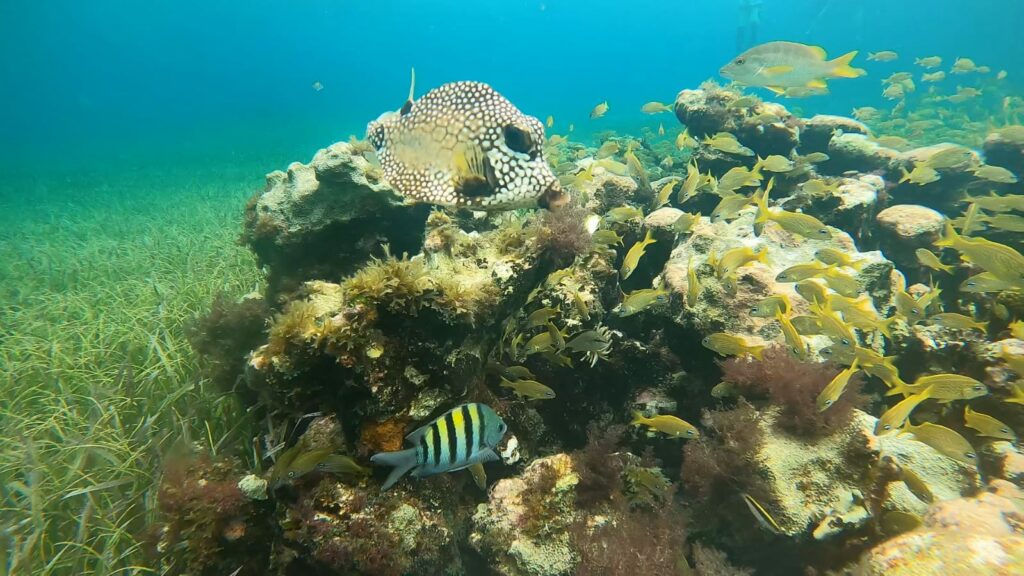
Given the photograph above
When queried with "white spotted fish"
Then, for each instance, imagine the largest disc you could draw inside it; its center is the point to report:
(463, 144)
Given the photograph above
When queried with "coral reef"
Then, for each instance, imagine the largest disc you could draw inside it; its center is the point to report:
(979, 535)
(626, 301)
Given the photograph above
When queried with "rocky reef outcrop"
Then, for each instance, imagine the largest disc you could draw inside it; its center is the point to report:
(659, 349)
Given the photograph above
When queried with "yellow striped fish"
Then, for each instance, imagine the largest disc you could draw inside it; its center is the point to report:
(461, 437)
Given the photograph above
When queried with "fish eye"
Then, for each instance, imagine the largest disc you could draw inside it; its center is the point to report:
(978, 388)
(887, 427)
(846, 342)
(971, 455)
(823, 231)
(828, 402)
(519, 140)
(502, 427)
(291, 473)
(740, 60)
(690, 433)
(1004, 430)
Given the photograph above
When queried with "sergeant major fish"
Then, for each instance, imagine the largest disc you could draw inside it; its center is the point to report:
(463, 436)
(463, 144)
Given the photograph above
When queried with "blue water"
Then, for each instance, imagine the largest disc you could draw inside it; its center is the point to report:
(88, 84)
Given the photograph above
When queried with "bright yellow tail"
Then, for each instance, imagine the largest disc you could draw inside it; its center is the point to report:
(841, 66)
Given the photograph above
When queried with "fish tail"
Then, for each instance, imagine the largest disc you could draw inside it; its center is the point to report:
(841, 66)
(762, 208)
(401, 461)
(949, 237)
(648, 239)
(756, 351)
(638, 418)
(899, 388)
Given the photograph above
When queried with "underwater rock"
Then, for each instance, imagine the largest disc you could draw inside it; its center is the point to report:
(856, 152)
(608, 190)
(342, 529)
(253, 487)
(943, 194)
(1005, 152)
(818, 131)
(522, 529)
(764, 127)
(721, 308)
(851, 207)
(325, 218)
(812, 486)
(976, 536)
(904, 228)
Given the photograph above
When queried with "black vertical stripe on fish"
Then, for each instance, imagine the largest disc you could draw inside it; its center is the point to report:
(423, 450)
(436, 443)
(467, 425)
(481, 421)
(453, 439)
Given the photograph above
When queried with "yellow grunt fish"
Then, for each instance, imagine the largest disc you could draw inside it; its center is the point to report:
(835, 388)
(928, 258)
(958, 321)
(793, 339)
(599, 110)
(667, 424)
(737, 258)
(664, 194)
(838, 258)
(529, 389)
(636, 251)
(655, 108)
(988, 426)
(893, 418)
(944, 440)
(730, 345)
(768, 307)
(692, 285)
(943, 387)
(640, 300)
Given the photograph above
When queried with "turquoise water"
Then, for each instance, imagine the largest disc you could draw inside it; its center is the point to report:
(164, 83)
(132, 134)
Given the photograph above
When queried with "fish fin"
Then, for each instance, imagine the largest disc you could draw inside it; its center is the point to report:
(778, 90)
(817, 83)
(638, 418)
(407, 107)
(471, 175)
(773, 70)
(481, 457)
(949, 237)
(819, 51)
(842, 69)
(401, 461)
(900, 388)
(479, 475)
(756, 351)
(338, 464)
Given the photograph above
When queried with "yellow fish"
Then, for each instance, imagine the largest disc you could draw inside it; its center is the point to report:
(731, 345)
(692, 285)
(799, 272)
(726, 142)
(296, 462)
(987, 425)
(943, 387)
(768, 307)
(635, 167)
(737, 258)
(684, 140)
(623, 214)
(916, 485)
(729, 206)
(776, 163)
(920, 175)
(640, 300)
(835, 388)
(539, 343)
(928, 61)
(609, 148)
(664, 194)
(908, 307)
(798, 223)
(792, 337)
(1002, 261)
(636, 251)
(934, 77)
(958, 321)
(599, 110)
(529, 389)
(607, 238)
(986, 282)
(1008, 222)
(841, 282)
(540, 317)
(655, 108)
(781, 65)
(838, 258)
(944, 440)
(818, 187)
(995, 174)
(661, 129)
(685, 222)
(894, 417)
(928, 258)
(834, 327)
(550, 121)
(883, 56)
(666, 424)
(812, 290)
